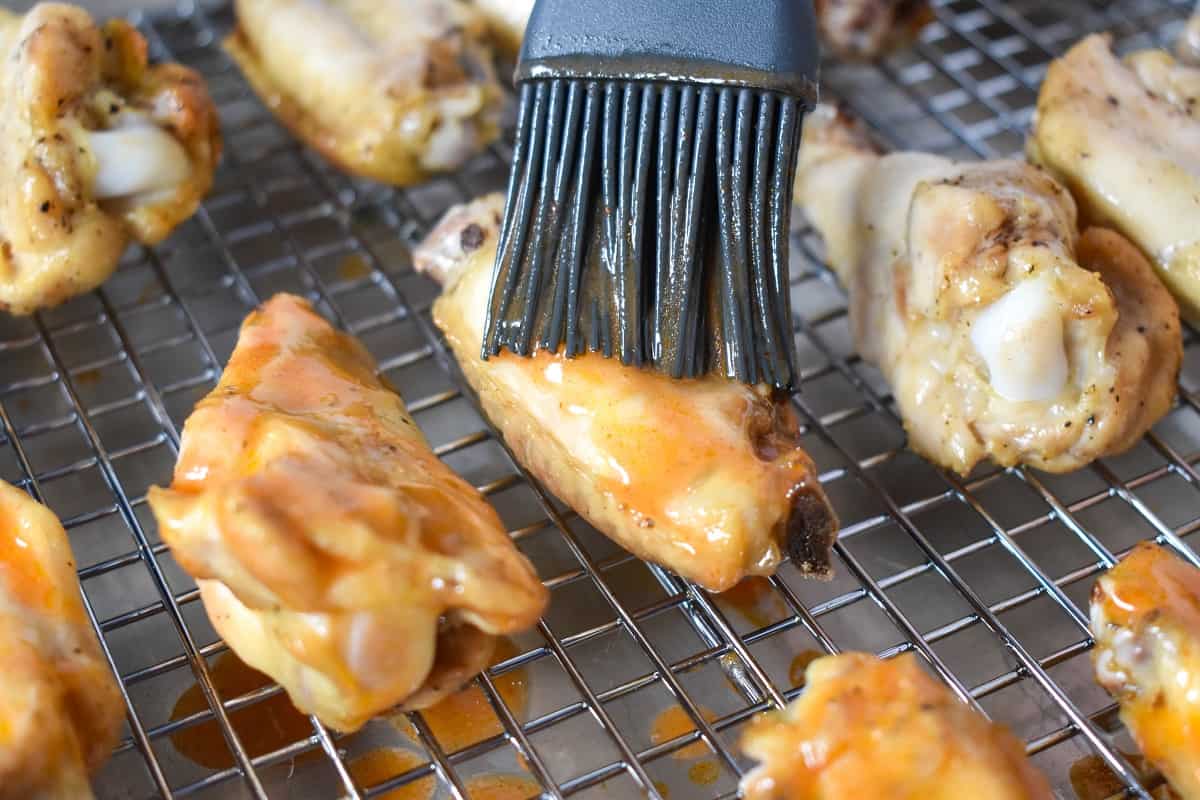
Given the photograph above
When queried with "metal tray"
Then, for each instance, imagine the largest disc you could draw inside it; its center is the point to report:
(986, 578)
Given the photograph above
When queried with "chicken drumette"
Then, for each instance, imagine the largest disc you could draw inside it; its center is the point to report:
(333, 550)
(885, 730)
(1146, 620)
(96, 148)
(60, 708)
(1124, 136)
(1003, 332)
(706, 476)
(389, 89)
(866, 29)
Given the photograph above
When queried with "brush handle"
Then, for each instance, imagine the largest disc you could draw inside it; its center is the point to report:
(759, 44)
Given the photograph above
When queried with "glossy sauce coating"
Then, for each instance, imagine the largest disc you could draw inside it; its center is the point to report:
(866, 728)
(706, 476)
(334, 551)
(1146, 620)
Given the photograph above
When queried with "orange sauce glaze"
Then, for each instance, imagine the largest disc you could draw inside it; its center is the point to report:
(674, 722)
(376, 766)
(21, 574)
(466, 717)
(263, 727)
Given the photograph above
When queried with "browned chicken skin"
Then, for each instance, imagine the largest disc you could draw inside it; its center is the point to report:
(60, 708)
(1146, 620)
(706, 477)
(394, 90)
(333, 550)
(884, 730)
(96, 148)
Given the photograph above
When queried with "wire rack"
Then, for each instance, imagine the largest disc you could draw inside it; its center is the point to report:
(986, 578)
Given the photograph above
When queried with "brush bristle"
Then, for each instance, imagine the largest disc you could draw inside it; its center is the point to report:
(650, 222)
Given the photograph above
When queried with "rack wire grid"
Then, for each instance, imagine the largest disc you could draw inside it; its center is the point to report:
(986, 578)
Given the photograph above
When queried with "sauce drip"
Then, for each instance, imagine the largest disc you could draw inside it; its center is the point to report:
(1092, 779)
(353, 267)
(675, 722)
(263, 727)
(663, 790)
(376, 766)
(800, 664)
(503, 787)
(704, 773)
(756, 600)
(466, 717)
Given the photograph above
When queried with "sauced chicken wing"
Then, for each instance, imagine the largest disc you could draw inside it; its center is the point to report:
(96, 148)
(60, 708)
(1002, 332)
(333, 550)
(1125, 138)
(389, 89)
(706, 476)
(866, 29)
(884, 730)
(1146, 620)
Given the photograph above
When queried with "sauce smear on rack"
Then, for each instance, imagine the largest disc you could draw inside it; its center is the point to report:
(466, 717)
(376, 766)
(704, 773)
(263, 727)
(503, 787)
(800, 663)
(755, 600)
(675, 722)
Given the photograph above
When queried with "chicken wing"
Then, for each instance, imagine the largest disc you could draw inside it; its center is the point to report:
(1003, 333)
(1124, 136)
(393, 90)
(866, 29)
(96, 148)
(1146, 620)
(60, 707)
(333, 550)
(852, 29)
(884, 730)
(706, 476)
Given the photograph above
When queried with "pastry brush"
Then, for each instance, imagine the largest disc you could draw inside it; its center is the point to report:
(649, 201)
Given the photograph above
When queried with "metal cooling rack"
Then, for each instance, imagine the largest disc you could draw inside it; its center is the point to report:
(986, 578)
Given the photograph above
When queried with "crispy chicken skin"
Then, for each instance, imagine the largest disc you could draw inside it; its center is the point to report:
(885, 730)
(1146, 620)
(865, 29)
(706, 477)
(333, 550)
(96, 148)
(393, 90)
(60, 708)
(1124, 136)
(1003, 333)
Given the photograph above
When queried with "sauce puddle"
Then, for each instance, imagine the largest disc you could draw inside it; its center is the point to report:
(675, 722)
(376, 766)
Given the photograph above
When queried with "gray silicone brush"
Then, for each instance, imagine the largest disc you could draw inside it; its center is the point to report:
(650, 196)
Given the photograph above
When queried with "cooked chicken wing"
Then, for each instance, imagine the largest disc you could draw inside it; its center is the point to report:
(852, 29)
(333, 550)
(96, 148)
(706, 476)
(866, 728)
(1003, 333)
(389, 89)
(1146, 620)
(1125, 138)
(866, 29)
(60, 708)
